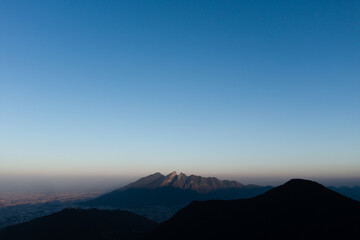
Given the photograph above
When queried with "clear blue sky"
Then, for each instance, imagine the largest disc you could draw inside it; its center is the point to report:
(225, 88)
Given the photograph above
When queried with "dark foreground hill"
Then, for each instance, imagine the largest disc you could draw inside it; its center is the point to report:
(74, 224)
(174, 190)
(299, 209)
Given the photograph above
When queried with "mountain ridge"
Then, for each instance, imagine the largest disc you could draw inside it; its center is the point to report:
(298, 209)
(72, 224)
(174, 190)
(170, 193)
(182, 181)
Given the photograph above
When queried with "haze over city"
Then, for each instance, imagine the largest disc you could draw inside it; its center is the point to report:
(94, 94)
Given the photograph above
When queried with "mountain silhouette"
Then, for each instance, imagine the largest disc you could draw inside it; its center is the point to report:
(299, 209)
(174, 190)
(76, 224)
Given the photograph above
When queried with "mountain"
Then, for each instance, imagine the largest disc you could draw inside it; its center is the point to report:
(181, 181)
(299, 209)
(158, 197)
(74, 224)
(172, 192)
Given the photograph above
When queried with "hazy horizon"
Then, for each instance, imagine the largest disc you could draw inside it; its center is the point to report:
(95, 94)
(102, 184)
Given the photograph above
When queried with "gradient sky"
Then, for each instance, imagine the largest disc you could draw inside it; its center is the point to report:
(248, 89)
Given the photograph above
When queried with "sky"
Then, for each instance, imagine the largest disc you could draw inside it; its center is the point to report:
(249, 90)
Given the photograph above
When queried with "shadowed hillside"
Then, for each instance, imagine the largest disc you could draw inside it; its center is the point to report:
(74, 224)
(299, 209)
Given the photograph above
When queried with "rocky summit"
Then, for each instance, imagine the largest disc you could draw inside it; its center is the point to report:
(182, 181)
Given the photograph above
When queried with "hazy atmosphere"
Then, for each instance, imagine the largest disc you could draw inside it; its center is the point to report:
(179, 119)
(95, 94)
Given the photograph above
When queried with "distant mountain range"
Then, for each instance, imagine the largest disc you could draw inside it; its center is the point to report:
(174, 191)
(298, 209)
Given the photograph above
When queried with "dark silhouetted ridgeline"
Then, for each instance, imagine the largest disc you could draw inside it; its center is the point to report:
(298, 209)
(74, 224)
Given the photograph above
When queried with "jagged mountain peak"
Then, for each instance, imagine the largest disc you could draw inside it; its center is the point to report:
(171, 176)
(182, 181)
(175, 191)
(174, 173)
(144, 182)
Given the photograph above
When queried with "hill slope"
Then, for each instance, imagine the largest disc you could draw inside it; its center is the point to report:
(351, 192)
(299, 209)
(74, 224)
